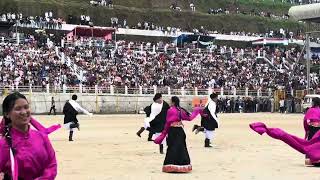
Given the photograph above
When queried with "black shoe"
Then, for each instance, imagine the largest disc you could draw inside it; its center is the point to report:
(150, 136)
(195, 127)
(199, 129)
(140, 131)
(161, 148)
(207, 143)
(70, 136)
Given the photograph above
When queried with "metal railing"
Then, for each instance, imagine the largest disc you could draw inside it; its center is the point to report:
(143, 48)
(114, 90)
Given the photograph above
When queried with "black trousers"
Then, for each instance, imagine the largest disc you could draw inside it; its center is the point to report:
(54, 110)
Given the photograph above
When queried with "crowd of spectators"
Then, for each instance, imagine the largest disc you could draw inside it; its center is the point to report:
(256, 104)
(107, 3)
(221, 67)
(253, 12)
(135, 64)
(47, 20)
(28, 64)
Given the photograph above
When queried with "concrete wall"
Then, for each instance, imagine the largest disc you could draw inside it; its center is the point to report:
(109, 104)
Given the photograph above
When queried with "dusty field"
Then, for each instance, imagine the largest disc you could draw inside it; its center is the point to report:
(107, 148)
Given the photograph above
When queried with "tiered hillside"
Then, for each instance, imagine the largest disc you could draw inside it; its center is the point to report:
(158, 12)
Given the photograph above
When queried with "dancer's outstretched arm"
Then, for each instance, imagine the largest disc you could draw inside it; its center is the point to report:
(41, 128)
(311, 148)
(78, 108)
(38, 126)
(276, 133)
(192, 116)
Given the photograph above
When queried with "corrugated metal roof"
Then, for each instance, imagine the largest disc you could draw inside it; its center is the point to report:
(309, 12)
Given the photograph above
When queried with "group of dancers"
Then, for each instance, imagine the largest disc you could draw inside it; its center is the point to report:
(27, 154)
(165, 123)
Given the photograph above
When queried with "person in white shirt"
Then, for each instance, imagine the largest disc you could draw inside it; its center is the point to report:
(82, 19)
(13, 17)
(192, 6)
(156, 117)
(70, 111)
(209, 120)
(282, 106)
(88, 19)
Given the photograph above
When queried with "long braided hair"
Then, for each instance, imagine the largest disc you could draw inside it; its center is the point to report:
(7, 106)
(176, 102)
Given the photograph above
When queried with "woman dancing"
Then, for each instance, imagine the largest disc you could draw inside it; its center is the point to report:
(177, 157)
(24, 153)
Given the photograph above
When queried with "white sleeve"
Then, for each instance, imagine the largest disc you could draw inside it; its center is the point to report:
(155, 110)
(80, 109)
(212, 108)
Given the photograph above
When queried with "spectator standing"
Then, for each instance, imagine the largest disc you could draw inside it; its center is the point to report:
(192, 6)
(282, 105)
(110, 4)
(272, 104)
(53, 106)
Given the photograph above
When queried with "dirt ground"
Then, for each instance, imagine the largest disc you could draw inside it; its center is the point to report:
(107, 148)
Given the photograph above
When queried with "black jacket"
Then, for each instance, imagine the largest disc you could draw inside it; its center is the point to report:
(157, 124)
(70, 114)
(207, 121)
(147, 110)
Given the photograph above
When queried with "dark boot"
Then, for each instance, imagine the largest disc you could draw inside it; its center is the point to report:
(161, 148)
(140, 131)
(70, 135)
(150, 136)
(207, 143)
(199, 129)
(195, 127)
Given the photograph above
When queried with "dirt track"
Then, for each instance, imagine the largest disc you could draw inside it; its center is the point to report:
(107, 148)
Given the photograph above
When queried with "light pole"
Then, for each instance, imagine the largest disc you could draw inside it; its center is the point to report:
(308, 53)
(308, 60)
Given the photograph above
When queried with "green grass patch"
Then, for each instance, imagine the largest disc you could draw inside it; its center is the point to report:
(135, 11)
